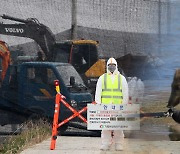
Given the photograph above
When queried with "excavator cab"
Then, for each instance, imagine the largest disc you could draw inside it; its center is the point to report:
(82, 54)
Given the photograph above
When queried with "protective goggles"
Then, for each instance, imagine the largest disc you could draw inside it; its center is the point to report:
(111, 64)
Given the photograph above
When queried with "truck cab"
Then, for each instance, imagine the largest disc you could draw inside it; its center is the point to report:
(30, 87)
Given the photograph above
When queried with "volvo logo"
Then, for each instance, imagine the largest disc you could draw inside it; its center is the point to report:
(14, 30)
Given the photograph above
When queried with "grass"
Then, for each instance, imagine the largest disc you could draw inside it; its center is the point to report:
(33, 133)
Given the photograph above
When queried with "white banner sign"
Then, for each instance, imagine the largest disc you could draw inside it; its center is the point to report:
(113, 117)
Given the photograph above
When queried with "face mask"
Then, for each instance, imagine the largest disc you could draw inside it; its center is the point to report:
(111, 68)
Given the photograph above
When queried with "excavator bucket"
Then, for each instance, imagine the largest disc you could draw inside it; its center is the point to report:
(97, 69)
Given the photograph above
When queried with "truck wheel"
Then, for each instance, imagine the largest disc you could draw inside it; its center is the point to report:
(62, 129)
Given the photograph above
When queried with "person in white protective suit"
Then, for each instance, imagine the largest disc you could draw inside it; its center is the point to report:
(112, 88)
(140, 87)
(132, 90)
(136, 90)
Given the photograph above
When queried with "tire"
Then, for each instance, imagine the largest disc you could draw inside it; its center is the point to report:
(62, 129)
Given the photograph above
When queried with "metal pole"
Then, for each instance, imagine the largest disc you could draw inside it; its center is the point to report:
(159, 26)
(168, 17)
(74, 20)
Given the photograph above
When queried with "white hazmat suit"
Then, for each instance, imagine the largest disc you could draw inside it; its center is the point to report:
(106, 135)
(136, 90)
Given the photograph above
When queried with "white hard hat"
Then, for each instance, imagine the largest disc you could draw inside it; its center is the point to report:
(111, 61)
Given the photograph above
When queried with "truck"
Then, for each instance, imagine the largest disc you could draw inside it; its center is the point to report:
(82, 54)
(28, 88)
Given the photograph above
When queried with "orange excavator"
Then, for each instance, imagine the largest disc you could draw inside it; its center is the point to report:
(5, 56)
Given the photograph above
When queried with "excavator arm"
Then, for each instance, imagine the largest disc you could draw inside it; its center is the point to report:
(30, 28)
(5, 55)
